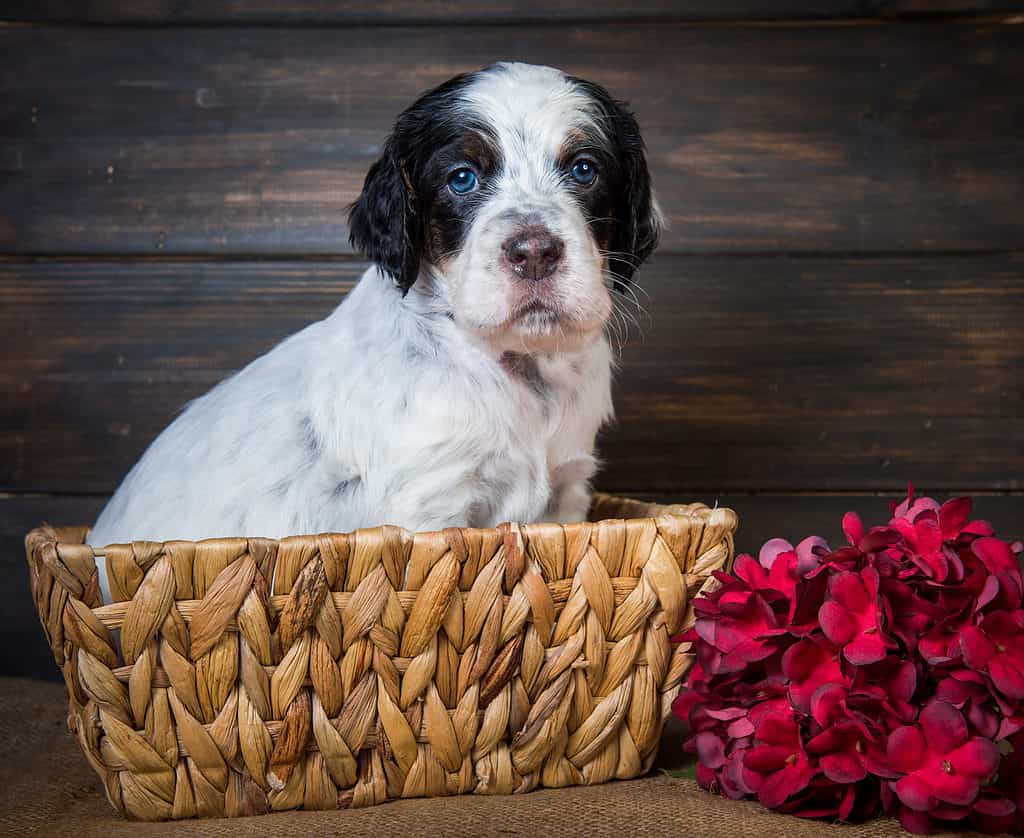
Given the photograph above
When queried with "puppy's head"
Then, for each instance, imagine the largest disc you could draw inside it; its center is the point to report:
(518, 194)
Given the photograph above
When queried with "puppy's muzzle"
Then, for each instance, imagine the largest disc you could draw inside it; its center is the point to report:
(533, 253)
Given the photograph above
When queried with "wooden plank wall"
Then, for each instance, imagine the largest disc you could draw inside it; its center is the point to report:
(836, 308)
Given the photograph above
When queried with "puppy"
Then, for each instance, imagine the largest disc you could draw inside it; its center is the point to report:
(462, 382)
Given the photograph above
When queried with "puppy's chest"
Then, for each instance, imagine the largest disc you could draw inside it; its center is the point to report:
(541, 403)
(539, 428)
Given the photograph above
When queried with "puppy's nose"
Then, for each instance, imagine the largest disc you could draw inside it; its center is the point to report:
(533, 253)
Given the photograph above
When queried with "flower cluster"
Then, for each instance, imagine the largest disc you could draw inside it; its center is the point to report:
(885, 676)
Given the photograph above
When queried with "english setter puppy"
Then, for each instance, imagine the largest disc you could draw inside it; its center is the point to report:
(462, 382)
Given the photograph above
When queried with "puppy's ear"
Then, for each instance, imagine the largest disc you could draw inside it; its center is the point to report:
(638, 217)
(384, 222)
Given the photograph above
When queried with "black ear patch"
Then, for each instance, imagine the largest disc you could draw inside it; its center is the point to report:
(383, 222)
(387, 220)
(641, 227)
(638, 223)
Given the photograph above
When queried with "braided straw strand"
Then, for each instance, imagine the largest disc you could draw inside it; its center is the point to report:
(385, 664)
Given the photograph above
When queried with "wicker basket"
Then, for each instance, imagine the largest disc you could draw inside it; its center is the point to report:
(386, 664)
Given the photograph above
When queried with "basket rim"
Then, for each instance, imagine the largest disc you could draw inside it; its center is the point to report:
(599, 608)
(678, 512)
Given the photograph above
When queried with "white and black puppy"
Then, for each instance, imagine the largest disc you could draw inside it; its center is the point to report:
(463, 381)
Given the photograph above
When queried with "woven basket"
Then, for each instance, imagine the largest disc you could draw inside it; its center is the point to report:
(386, 664)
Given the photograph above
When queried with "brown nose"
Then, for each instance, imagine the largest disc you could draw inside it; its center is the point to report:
(533, 253)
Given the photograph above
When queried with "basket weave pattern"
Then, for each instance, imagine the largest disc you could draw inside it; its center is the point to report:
(385, 664)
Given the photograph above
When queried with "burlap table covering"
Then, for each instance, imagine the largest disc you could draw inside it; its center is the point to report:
(46, 788)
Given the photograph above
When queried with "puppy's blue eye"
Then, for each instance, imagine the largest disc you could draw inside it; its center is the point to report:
(584, 171)
(462, 181)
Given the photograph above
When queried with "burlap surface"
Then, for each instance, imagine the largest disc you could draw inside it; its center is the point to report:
(46, 788)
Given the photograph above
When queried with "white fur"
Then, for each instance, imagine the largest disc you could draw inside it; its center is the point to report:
(399, 409)
(530, 110)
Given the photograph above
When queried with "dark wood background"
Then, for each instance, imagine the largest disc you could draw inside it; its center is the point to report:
(835, 310)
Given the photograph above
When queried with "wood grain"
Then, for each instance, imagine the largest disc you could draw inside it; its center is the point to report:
(348, 12)
(247, 141)
(751, 373)
(23, 649)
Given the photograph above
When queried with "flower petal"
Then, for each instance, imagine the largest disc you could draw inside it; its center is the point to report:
(878, 538)
(906, 748)
(842, 768)
(954, 788)
(918, 823)
(953, 515)
(747, 569)
(978, 758)
(770, 551)
(809, 553)
(710, 750)
(977, 648)
(837, 622)
(766, 759)
(943, 727)
(783, 784)
(929, 537)
(853, 528)
(903, 681)
(914, 793)
(994, 806)
(995, 554)
(826, 703)
(1009, 680)
(864, 650)
(848, 589)
(801, 659)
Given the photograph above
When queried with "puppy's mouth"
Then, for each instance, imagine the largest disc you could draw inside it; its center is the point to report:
(540, 318)
(536, 308)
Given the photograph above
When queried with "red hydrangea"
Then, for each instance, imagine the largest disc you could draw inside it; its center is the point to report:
(885, 677)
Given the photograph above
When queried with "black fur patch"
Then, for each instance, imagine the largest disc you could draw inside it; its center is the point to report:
(524, 367)
(343, 487)
(404, 212)
(310, 438)
(619, 205)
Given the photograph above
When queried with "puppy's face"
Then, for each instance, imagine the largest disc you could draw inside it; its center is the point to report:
(520, 196)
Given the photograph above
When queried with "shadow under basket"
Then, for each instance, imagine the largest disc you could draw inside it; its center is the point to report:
(239, 676)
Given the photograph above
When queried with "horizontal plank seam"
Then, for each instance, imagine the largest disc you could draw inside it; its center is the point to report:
(896, 18)
(9, 494)
(355, 258)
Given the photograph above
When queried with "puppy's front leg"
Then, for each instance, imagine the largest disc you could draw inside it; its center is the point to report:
(570, 491)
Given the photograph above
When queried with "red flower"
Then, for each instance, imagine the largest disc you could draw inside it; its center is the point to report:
(740, 626)
(1004, 567)
(993, 813)
(851, 617)
(912, 614)
(1011, 785)
(778, 756)
(876, 539)
(997, 648)
(968, 692)
(849, 746)
(876, 677)
(772, 574)
(825, 799)
(809, 665)
(891, 683)
(941, 644)
(926, 549)
(953, 515)
(940, 763)
(911, 508)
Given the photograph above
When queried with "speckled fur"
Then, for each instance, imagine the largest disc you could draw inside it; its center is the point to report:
(406, 407)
